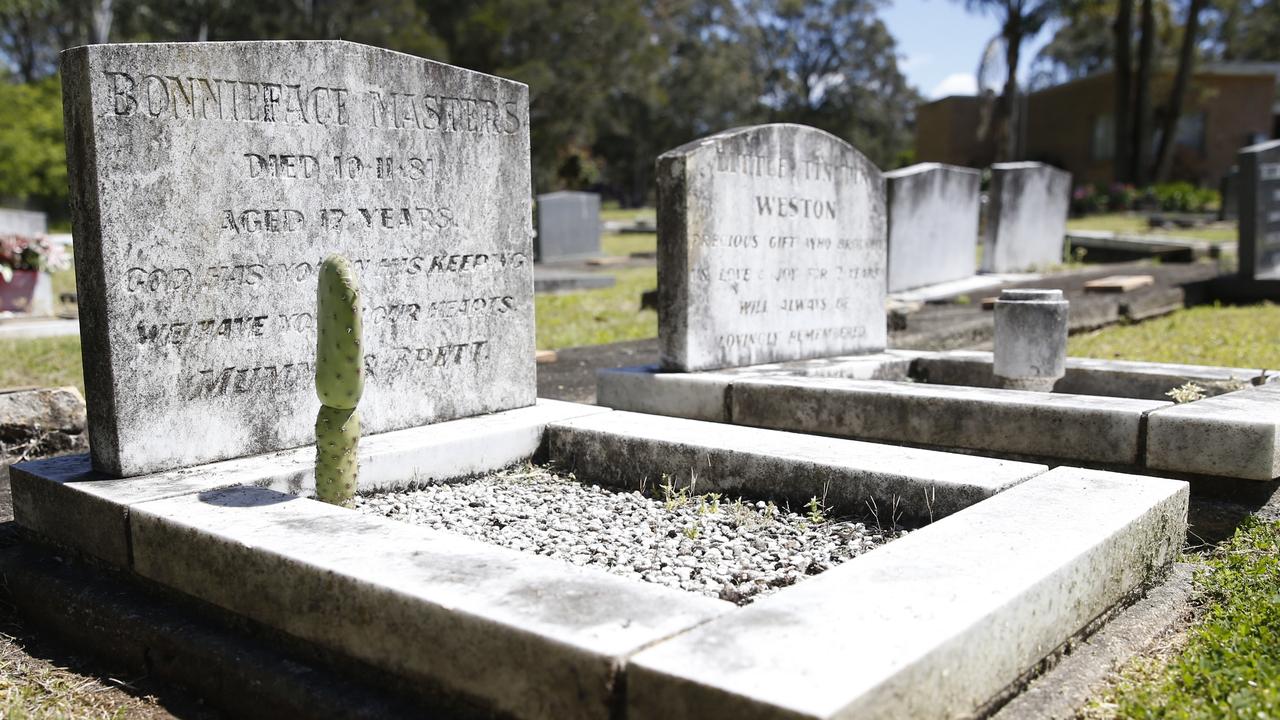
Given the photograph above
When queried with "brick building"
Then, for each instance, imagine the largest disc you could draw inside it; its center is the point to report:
(1228, 106)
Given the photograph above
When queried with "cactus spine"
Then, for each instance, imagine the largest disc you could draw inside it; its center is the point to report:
(339, 381)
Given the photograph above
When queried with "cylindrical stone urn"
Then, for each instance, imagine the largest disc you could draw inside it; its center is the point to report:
(1031, 339)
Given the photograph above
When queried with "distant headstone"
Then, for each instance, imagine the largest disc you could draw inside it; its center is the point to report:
(1229, 191)
(209, 180)
(23, 222)
(1259, 231)
(568, 226)
(1026, 217)
(933, 224)
(771, 247)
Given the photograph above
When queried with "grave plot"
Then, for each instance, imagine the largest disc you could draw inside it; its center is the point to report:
(772, 355)
(202, 462)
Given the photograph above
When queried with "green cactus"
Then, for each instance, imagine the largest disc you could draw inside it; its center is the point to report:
(337, 441)
(339, 381)
(339, 356)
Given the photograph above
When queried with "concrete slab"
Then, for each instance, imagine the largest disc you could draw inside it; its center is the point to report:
(964, 286)
(66, 501)
(1086, 376)
(646, 389)
(932, 625)
(1072, 427)
(1233, 435)
(520, 634)
(632, 450)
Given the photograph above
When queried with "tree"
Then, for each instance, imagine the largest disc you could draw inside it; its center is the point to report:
(1141, 142)
(1246, 30)
(1123, 34)
(1019, 19)
(1177, 96)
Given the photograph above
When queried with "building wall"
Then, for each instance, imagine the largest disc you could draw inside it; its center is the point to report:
(1062, 126)
(947, 132)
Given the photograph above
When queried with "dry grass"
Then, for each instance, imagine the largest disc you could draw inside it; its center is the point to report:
(32, 687)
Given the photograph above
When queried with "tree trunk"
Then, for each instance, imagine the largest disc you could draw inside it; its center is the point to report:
(1123, 30)
(1178, 95)
(101, 22)
(1142, 99)
(1009, 96)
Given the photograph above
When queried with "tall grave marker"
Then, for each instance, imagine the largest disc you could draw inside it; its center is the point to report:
(1259, 207)
(771, 247)
(209, 180)
(933, 224)
(1026, 217)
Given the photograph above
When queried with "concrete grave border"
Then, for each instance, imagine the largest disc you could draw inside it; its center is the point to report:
(526, 636)
(1108, 412)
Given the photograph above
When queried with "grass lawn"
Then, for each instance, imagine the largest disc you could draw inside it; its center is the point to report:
(1245, 336)
(611, 211)
(1134, 224)
(1228, 663)
(41, 362)
(596, 317)
(624, 245)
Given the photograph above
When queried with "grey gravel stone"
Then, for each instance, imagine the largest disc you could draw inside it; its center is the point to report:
(730, 549)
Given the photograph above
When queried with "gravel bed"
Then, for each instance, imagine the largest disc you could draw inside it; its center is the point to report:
(733, 550)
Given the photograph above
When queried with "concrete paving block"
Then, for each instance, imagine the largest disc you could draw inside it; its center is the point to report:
(526, 636)
(700, 396)
(1073, 427)
(65, 500)
(1233, 435)
(629, 450)
(1086, 376)
(933, 625)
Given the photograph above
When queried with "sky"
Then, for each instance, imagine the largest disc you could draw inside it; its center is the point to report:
(939, 44)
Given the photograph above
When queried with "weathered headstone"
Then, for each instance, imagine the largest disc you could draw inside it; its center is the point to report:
(568, 226)
(1026, 217)
(771, 247)
(208, 182)
(933, 224)
(1229, 192)
(1259, 204)
(23, 222)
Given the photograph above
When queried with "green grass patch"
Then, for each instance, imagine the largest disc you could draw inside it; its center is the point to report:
(1136, 224)
(596, 317)
(1244, 336)
(1229, 666)
(41, 362)
(611, 211)
(624, 245)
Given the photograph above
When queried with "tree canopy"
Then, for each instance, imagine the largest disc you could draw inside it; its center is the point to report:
(613, 83)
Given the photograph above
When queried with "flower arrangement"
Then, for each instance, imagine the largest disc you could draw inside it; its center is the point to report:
(27, 252)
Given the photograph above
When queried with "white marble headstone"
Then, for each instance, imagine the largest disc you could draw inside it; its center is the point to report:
(933, 224)
(771, 247)
(1026, 217)
(208, 182)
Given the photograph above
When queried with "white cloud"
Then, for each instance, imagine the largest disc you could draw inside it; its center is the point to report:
(955, 84)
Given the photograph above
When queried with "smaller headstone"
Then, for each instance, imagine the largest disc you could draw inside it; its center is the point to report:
(23, 222)
(1229, 189)
(1259, 232)
(771, 247)
(568, 226)
(933, 224)
(1026, 217)
(1030, 339)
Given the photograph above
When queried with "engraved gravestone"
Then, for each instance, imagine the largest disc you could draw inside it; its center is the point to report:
(568, 226)
(23, 222)
(208, 182)
(771, 247)
(933, 224)
(1259, 206)
(1026, 217)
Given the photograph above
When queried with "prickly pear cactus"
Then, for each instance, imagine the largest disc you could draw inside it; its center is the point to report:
(339, 381)
(339, 355)
(337, 441)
